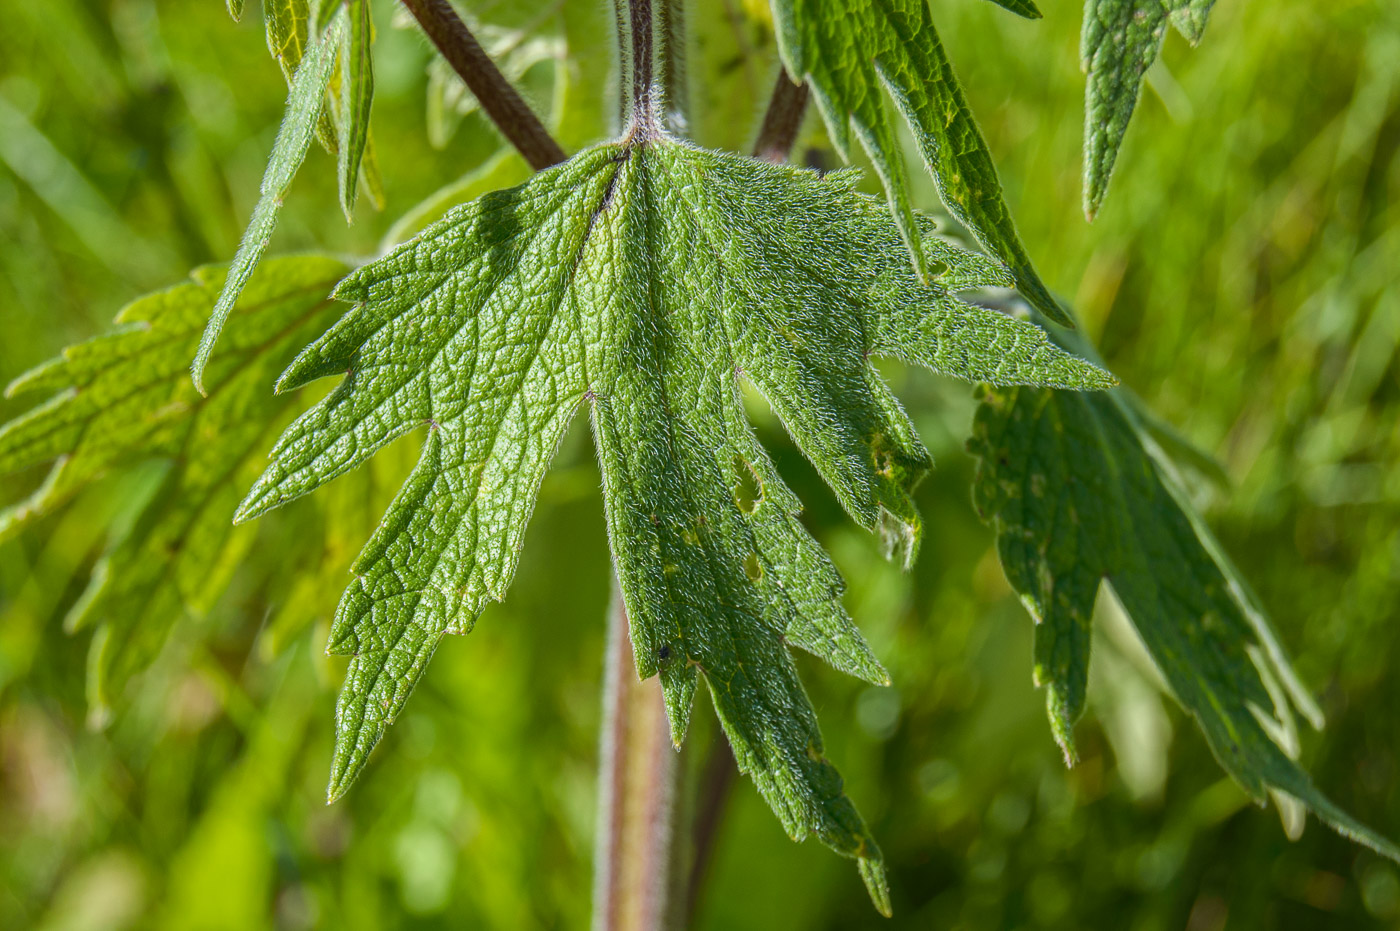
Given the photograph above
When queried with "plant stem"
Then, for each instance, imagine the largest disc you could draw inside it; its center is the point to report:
(673, 66)
(637, 773)
(642, 124)
(512, 116)
(782, 121)
(624, 59)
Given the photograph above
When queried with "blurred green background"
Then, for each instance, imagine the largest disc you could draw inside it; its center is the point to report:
(1244, 277)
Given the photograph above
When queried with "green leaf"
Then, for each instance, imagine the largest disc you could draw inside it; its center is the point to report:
(289, 30)
(357, 94)
(850, 53)
(235, 9)
(124, 398)
(1077, 498)
(645, 283)
(288, 25)
(1121, 40)
(1020, 7)
(1188, 17)
(293, 139)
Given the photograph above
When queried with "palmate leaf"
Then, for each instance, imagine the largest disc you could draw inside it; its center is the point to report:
(1121, 40)
(645, 281)
(125, 398)
(853, 51)
(1078, 498)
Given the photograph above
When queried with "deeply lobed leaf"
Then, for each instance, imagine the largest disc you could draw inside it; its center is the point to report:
(852, 53)
(645, 282)
(1077, 499)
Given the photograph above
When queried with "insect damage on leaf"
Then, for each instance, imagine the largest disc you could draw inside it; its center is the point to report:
(1076, 498)
(645, 282)
(851, 54)
(124, 398)
(1121, 40)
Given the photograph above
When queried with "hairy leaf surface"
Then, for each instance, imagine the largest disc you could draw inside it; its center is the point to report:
(852, 53)
(644, 283)
(290, 32)
(1077, 498)
(125, 397)
(1121, 40)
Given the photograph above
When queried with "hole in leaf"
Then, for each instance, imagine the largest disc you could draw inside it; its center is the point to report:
(748, 493)
(936, 268)
(882, 454)
(753, 568)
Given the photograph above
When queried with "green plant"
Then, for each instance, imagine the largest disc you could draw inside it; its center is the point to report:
(643, 277)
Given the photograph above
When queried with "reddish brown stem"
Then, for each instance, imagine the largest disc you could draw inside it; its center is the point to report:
(637, 775)
(499, 100)
(782, 121)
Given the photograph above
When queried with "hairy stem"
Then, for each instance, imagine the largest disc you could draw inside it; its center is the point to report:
(639, 40)
(498, 99)
(782, 121)
(637, 774)
(673, 66)
(621, 18)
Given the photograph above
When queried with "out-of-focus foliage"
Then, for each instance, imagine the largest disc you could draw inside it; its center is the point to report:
(125, 397)
(1080, 504)
(1240, 278)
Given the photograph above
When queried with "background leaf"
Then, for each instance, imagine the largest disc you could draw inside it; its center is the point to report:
(293, 139)
(1077, 501)
(357, 90)
(124, 398)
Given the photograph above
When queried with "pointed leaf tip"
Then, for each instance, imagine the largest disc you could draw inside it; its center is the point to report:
(877, 884)
(1024, 8)
(1121, 40)
(305, 101)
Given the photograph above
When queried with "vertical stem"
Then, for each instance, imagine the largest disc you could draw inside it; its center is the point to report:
(642, 123)
(621, 18)
(637, 774)
(715, 782)
(673, 66)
